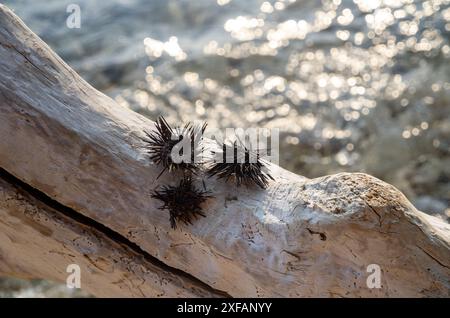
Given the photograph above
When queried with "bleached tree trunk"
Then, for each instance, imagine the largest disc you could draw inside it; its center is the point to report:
(80, 194)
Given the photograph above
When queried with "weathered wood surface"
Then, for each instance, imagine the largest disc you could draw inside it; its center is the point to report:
(38, 240)
(299, 237)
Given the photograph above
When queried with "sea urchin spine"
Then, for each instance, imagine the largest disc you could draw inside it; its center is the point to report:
(161, 143)
(246, 166)
(182, 201)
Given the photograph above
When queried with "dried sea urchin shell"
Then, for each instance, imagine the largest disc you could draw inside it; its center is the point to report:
(183, 201)
(247, 167)
(162, 140)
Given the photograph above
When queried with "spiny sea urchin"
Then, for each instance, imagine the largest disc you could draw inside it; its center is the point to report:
(241, 164)
(163, 139)
(183, 201)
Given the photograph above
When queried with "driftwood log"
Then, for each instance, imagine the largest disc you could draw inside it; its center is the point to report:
(75, 183)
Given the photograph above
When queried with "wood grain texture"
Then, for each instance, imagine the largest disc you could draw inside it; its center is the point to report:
(300, 237)
(38, 240)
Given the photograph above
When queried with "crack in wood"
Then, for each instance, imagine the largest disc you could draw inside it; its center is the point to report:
(108, 232)
(434, 258)
(323, 236)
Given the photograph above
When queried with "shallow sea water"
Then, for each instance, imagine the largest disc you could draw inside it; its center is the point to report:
(360, 85)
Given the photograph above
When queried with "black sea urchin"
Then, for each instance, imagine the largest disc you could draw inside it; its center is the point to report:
(163, 139)
(241, 164)
(183, 201)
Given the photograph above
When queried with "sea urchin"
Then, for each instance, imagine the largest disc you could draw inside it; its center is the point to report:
(163, 139)
(241, 164)
(183, 201)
